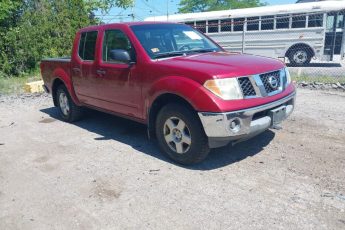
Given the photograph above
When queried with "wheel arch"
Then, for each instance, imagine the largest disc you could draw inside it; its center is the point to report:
(158, 104)
(61, 77)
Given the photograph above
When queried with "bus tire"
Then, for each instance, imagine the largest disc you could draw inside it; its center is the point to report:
(300, 56)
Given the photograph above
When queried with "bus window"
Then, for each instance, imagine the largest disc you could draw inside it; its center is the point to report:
(267, 22)
(298, 21)
(330, 21)
(213, 26)
(238, 24)
(225, 25)
(201, 26)
(340, 20)
(282, 21)
(189, 24)
(315, 20)
(253, 23)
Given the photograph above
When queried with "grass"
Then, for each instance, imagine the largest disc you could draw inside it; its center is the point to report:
(321, 79)
(14, 85)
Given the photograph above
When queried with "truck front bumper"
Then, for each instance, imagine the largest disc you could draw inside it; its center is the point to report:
(223, 128)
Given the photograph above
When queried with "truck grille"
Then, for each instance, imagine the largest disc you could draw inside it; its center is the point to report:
(265, 80)
(246, 86)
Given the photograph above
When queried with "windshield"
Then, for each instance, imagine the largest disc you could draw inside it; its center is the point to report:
(168, 40)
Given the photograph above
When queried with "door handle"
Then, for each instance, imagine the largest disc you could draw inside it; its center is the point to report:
(76, 70)
(101, 72)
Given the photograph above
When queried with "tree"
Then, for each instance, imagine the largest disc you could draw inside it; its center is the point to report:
(34, 29)
(191, 6)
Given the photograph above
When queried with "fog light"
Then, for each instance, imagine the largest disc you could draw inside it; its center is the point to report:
(235, 125)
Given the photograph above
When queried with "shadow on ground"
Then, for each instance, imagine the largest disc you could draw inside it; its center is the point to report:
(110, 127)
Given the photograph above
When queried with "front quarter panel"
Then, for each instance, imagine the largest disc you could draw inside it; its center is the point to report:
(193, 92)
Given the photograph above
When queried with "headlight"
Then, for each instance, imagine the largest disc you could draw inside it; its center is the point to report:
(288, 77)
(227, 89)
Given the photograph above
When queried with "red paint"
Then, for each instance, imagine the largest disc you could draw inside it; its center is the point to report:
(131, 90)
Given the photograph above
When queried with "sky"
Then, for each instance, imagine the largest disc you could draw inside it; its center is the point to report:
(147, 8)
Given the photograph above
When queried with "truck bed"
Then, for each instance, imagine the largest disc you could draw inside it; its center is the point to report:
(50, 66)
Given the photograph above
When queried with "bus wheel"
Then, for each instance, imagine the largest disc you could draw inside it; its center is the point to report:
(299, 57)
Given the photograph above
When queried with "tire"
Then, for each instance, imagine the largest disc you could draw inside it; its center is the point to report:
(299, 57)
(69, 111)
(180, 134)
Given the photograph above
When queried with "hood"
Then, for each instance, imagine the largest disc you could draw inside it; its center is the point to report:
(223, 64)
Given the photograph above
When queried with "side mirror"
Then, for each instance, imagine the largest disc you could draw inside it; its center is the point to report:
(120, 55)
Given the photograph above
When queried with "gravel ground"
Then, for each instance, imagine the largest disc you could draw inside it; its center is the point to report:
(103, 173)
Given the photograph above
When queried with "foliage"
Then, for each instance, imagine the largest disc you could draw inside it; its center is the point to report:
(34, 29)
(188, 6)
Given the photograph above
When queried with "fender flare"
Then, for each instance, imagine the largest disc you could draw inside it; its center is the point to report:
(193, 92)
(61, 74)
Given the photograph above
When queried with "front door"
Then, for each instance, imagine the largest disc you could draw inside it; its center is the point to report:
(118, 85)
(334, 35)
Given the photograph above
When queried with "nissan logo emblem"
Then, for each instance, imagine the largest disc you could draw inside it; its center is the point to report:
(273, 82)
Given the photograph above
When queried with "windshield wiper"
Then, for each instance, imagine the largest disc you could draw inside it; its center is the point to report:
(202, 51)
(170, 54)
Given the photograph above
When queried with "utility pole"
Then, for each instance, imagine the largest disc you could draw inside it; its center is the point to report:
(133, 17)
(167, 10)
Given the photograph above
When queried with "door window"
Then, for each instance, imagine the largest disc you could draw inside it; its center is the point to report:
(87, 45)
(115, 39)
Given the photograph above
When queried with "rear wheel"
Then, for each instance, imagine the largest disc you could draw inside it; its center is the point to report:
(69, 111)
(299, 57)
(180, 134)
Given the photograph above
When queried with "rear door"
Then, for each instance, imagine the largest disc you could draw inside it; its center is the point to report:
(83, 70)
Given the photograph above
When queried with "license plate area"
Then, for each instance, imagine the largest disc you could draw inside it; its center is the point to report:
(278, 114)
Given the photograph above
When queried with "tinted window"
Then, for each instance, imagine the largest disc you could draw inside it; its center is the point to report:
(282, 21)
(253, 23)
(201, 26)
(298, 21)
(238, 24)
(225, 25)
(115, 39)
(267, 22)
(213, 26)
(87, 45)
(315, 20)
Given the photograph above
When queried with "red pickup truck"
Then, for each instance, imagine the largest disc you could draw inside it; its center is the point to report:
(191, 93)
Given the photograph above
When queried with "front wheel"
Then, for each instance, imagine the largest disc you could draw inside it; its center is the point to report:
(180, 134)
(69, 111)
(299, 57)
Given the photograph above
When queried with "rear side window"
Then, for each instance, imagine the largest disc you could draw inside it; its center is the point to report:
(267, 22)
(238, 24)
(87, 45)
(213, 26)
(282, 21)
(298, 21)
(315, 20)
(253, 23)
(201, 26)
